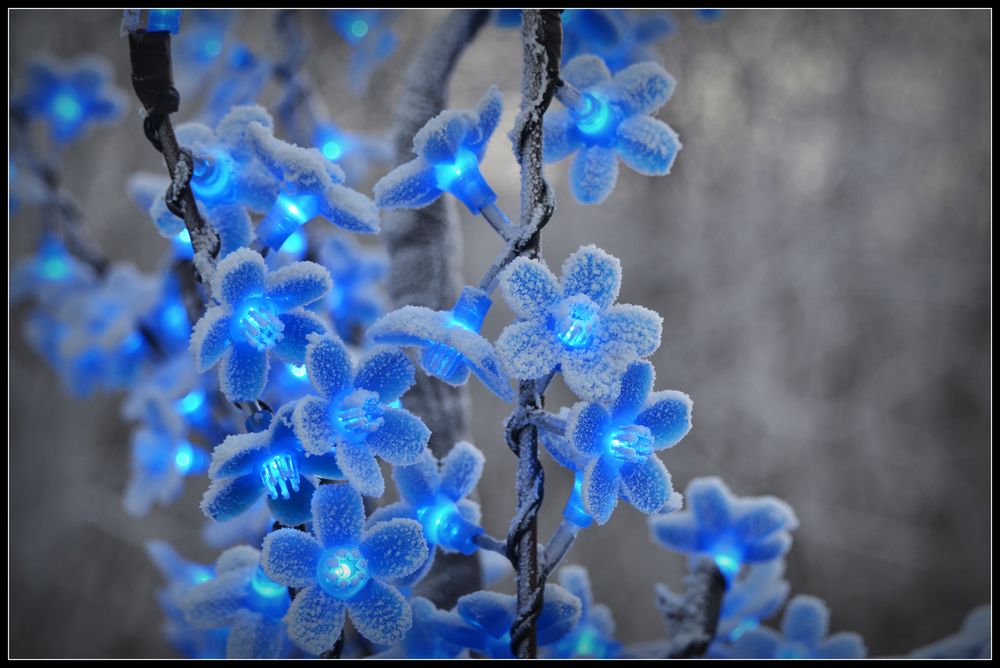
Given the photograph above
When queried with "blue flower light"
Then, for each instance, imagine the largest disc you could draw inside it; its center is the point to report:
(450, 340)
(213, 180)
(351, 419)
(369, 33)
(462, 179)
(620, 37)
(164, 20)
(733, 531)
(71, 95)
(593, 635)
(804, 628)
(342, 568)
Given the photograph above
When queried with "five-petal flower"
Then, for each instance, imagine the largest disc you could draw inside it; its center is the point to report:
(574, 324)
(354, 416)
(340, 566)
(803, 635)
(613, 120)
(259, 312)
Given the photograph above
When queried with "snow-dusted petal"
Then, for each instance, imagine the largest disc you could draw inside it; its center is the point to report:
(455, 629)
(290, 557)
(440, 138)
(766, 550)
(401, 439)
(489, 109)
(482, 360)
(418, 482)
(642, 88)
(392, 511)
(560, 613)
(237, 455)
(575, 580)
(591, 271)
(646, 484)
(210, 338)
(241, 274)
(229, 497)
(254, 636)
(709, 500)
(668, 417)
(313, 425)
(299, 324)
(560, 138)
(380, 613)
(394, 549)
(490, 610)
(528, 350)
(636, 383)
(409, 326)
(338, 515)
(647, 145)
(315, 620)
(845, 645)
(349, 209)
(386, 371)
(600, 489)
(594, 373)
(243, 373)
(324, 466)
(677, 531)
(760, 643)
(328, 364)
(593, 174)
(412, 185)
(758, 518)
(296, 509)
(805, 621)
(234, 226)
(358, 463)
(213, 603)
(461, 469)
(635, 330)
(585, 71)
(529, 288)
(587, 427)
(298, 284)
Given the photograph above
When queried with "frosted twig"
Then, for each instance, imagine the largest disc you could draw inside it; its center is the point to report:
(692, 619)
(549, 422)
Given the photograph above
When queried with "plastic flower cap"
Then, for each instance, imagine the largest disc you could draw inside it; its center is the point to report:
(445, 362)
(213, 179)
(449, 148)
(341, 568)
(164, 20)
(574, 324)
(733, 531)
(613, 120)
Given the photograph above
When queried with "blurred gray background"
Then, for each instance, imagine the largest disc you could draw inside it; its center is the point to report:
(820, 255)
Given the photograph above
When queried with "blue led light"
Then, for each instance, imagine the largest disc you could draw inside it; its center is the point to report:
(298, 370)
(359, 415)
(741, 628)
(257, 323)
(444, 525)
(164, 20)
(342, 572)
(330, 141)
(184, 236)
(66, 107)
(184, 457)
(267, 596)
(728, 560)
(463, 180)
(359, 28)
(295, 244)
(191, 401)
(443, 361)
(278, 473)
(213, 47)
(214, 178)
(576, 327)
(632, 443)
(574, 511)
(290, 211)
(596, 120)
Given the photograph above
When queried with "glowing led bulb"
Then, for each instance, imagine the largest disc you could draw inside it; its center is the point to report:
(633, 443)
(329, 140)
(463, 180)
(184, 457)
(443, 525)
(268, 597)
(257, 323)
(191, 401)
(213, 178)
(298, 370)
(66, 107)
(728, 560)
(443, 361)
(342, 572)
(278, 473)
(164, 20)
(576, 327)
(291, 210)
(574, 511)
(359, 414)
(595, 118)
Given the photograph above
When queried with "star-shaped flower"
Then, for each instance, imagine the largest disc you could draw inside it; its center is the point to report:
(340, 567)
(258, 313)
(803, 635)
(354, 417)
(574, 324)
(613, 121)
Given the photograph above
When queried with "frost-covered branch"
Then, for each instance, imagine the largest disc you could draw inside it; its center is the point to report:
(693, 618)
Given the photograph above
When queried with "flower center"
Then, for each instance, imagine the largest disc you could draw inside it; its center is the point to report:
(212, 180)
(576, 327)
(278, 473)
(258, 323)
(444, 525)
(463, 180)
(359, 414)
(342, 572)
(633, 443)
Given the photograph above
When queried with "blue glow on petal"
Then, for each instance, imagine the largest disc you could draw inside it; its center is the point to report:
(66, 107)
(342, 572)
(729, 561)
(632, 443)
(214, 178)
(290, 211)
(192, 401)
(359, 415)
(463, 180)
(267, 596)
(213, 47)
(164, 20)
(574, 511)
(594, 117)
(443, 525)
(359, 28)
(279, 472)
(295, 245)
(741, 628)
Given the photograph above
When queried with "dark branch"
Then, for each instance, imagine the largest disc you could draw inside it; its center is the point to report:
(692, 619)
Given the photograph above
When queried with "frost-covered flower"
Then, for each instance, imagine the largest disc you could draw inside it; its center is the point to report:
(594, 635)
(181, 576)
(481, 621)
(614, 121)
(50, 275)
(449, 148)
(353, 418)
(615, 446)
(161, 459)
(242, 599)
(422, 641)
(342, 567)
(240, 81)
(733, 531)
(372, 40)
(450, 341)
(434, 494)
(71, 95)
(310, 187)
(270, 462)
(198, 48)
(804, 628)
(356, 298)
(619, 37)
(973, 641)
(259, 312)
(574, 324)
